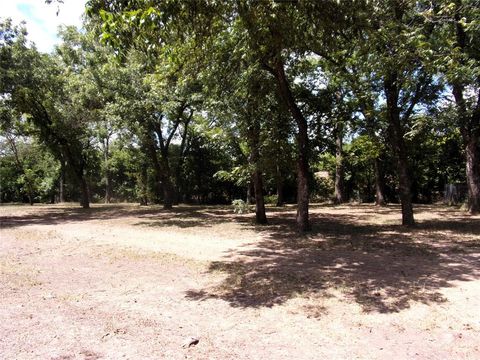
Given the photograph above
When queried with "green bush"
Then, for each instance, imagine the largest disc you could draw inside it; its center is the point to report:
(240, 206)
(271, 199)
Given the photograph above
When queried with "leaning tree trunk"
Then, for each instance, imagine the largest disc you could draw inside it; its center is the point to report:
(398, 143)
(339, 166)
(302, 218)
(379, 184)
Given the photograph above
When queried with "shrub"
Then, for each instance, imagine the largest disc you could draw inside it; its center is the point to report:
(240, 206)
(271, 199)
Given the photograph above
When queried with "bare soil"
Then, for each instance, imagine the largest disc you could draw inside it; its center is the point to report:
(123, 281)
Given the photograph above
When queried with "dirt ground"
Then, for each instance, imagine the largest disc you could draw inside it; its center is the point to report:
(124, 281)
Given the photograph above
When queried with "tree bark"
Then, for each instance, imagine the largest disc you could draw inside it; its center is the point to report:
(253, 134)
(279, 185)
(302, 218)
(142, 184)
(473, 174)
(152, 154)
(108, 185)
(469, 125)
(379, 184)
(398, 143)
(168, 188)
(250, 192)
(85, 199)
(260, 216)
(61, 185)
(181, 160)
(339, 166)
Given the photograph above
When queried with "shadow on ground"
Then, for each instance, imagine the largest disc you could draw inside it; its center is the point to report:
(152, 216)
(383, 268)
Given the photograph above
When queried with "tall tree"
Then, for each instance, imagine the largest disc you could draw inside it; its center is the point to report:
(457, 46)
(33, 84)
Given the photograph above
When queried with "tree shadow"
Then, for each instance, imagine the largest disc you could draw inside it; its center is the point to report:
(181, 216)
(383, 268)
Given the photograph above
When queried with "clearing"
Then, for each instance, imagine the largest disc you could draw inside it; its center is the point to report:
(124, 281)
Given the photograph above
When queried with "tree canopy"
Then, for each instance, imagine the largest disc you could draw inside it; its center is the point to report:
(268, 101)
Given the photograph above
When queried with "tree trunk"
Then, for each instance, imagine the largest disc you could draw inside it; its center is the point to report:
(469, 124)
(253, 135)
(302, 218)
(250, 192)
(85, 200)
(279, 183)
(398, 143)
(260, 216)
(379, 184)
(108, 185)
(61, 185)
(152, 153)
(181, 160)
(143, 180)
(472, 151)
(168, 189)
(168, 193)
(339, 166)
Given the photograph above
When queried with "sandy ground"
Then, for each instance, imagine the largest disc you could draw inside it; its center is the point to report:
(124, 281)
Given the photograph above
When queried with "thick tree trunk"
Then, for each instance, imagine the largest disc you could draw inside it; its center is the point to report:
(253, 134)
(404, 184)
(260, 216)
(379, 184)
(398, 143)
(168, 193)
(468, 122)
(85, 199)
(168, 189)
(472, 151)
(339, 166)
(302, 219)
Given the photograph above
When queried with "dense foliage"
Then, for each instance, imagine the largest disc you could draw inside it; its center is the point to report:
(203, 101)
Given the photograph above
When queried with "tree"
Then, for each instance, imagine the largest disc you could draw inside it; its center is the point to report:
(392, 52)
(457, 47)
(33, 85)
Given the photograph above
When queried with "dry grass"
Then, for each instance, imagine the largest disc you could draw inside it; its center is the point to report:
(16, 276)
